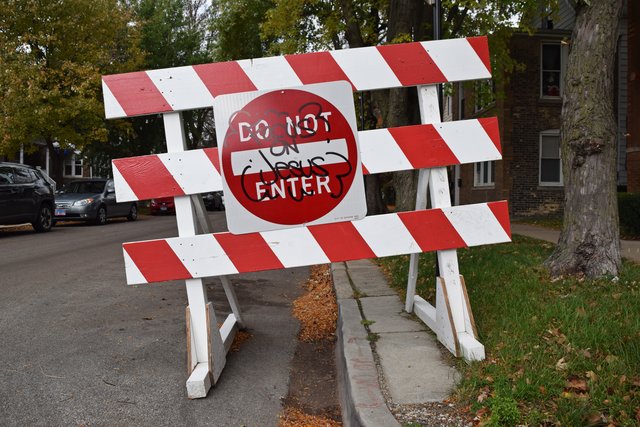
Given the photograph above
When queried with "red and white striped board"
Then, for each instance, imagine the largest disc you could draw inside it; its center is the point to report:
(382, 150)
(219, 254)
(368, 68)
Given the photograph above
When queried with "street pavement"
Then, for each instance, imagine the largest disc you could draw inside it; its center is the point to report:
(79, 347)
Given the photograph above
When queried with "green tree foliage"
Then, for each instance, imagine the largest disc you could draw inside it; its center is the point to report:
(236, 27)
(52, 54)
(173, 33)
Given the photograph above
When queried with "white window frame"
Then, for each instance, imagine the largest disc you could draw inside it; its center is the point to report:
(76, 160)
(562, 69)
(560, 183)
(485, 177)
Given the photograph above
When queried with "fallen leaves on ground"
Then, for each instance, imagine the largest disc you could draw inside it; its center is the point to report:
(239, 339)
(292, 417)
(317, 309)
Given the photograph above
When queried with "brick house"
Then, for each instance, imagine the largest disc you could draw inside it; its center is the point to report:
(530, 174)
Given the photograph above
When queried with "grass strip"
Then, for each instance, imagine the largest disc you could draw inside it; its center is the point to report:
(559, 352)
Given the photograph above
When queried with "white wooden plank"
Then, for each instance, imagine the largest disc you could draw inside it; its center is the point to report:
(366, 68)
(270, 73)
(457, 60)
(181, 87)
(381, 153)
(295, 247)
(376, 231)
(199, 382)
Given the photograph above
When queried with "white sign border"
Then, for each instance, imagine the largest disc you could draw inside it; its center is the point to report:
(352, 207)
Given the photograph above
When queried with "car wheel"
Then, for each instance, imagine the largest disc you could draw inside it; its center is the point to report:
(133, 213)
(101, 216)
(44, 220)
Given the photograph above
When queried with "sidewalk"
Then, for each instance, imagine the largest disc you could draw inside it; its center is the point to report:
(412, 368)
(629, 249)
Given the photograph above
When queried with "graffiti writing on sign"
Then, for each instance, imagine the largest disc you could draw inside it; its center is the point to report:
(289, 151)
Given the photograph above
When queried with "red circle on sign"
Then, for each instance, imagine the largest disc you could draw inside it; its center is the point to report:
(289, 157)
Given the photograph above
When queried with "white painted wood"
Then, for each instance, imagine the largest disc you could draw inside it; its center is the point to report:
(203, 220)
(295, 246)
(112, 107)
(270, 73)
(457, 60)
(202, 256)
(205, 227)
(376, 229)
(471, 348)
(199, 382)
(445, 328)
(192, 170)
(468, 141)
(380, 152)
(202, 331)
(377, 73)
(217, 352)
(173, 83)
(192, 358)
(425, 312)
(482, 226)
(228, 331)
(430, 113)
(233, 300)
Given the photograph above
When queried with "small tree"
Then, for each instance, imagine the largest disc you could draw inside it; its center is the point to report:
(589, 242)
(52, 55)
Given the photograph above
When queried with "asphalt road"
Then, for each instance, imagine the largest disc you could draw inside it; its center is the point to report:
(79, 347)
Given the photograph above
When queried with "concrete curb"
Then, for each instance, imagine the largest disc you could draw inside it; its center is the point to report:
(361, 398)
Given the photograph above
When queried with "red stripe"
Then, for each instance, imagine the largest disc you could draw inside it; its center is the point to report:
(423, 146)
(317, 67)
(490, 126)
(212, 154)
(481, 46)
(365, 171)
(248, 252)
(431, 230)
(156, 261)
(224, 77)
(501, 211)
(411, 64)
(148, 177)
(136, 93)
(341, 241)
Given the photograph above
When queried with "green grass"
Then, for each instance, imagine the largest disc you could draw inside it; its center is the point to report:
(564, 352)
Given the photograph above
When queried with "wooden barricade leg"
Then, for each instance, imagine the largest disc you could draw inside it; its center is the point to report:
(206, 347)
(451, 319)
(205, 227)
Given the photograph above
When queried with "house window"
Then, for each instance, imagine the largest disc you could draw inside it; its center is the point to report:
(483, 94)
(550, 162)
(551, 70)
(483, 174)
(73, 166)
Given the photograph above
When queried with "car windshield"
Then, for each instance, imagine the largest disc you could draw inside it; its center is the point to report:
(84, 187)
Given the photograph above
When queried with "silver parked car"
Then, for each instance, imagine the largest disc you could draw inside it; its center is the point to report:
(91, 200)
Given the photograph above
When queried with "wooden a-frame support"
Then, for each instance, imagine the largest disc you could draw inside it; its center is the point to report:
(207, 345)
(451, 319)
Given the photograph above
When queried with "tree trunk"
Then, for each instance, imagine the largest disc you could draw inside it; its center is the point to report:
(589, 243)
(402, 24)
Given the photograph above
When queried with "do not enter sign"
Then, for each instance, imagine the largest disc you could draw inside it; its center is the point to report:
(289, 157)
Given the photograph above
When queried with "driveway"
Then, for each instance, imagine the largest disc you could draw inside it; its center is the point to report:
(79, 347)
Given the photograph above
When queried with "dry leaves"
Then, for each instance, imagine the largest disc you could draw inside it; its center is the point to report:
(317, 309)
(292, 417)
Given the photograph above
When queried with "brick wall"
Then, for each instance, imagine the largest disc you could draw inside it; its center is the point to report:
(523, 115)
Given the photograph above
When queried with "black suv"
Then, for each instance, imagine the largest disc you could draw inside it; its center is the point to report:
(25, 196)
